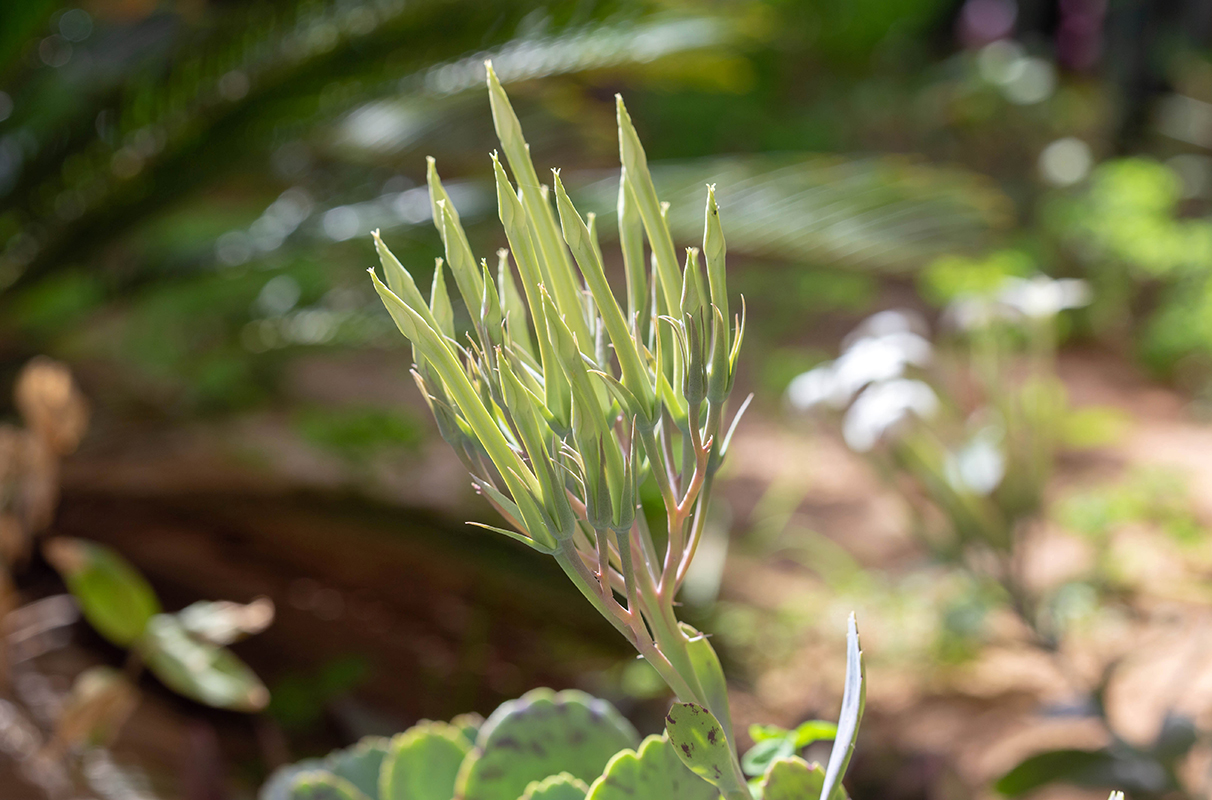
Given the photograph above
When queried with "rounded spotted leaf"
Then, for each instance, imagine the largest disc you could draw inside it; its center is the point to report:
(540, 734)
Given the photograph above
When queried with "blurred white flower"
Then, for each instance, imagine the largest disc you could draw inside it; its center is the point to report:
(970, 312)
(812, 388)
(883, 405)
(1034, 298)
(880, 349)
(887, 323)
(979, 465)
(1042, 296)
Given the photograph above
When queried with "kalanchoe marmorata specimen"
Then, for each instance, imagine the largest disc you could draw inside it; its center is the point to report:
(564, 400)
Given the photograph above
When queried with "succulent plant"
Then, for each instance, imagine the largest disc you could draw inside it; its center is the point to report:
(561, 402)
(565, 400)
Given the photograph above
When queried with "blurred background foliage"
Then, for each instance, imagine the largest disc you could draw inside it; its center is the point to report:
(187, 189)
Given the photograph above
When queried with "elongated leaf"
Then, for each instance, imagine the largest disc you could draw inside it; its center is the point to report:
(1088, 768)
(548, 245)
(854, 698)
(639, 182)
(579, 239)
(199, 670)
(115, 598)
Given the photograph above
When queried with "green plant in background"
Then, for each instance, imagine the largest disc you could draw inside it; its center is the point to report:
(561, 404)
(973, 453)
(1150, 263)
(969, 434)
(186, 650)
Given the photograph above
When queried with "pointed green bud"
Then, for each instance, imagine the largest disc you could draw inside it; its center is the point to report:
(631, 241)
(513, 218)
(437, 192)
(439, 301)
(435, 350)
(398, 279)
(548, 246)
(462, 263)
(714, 249)
(591, 219)
(635, 165)
(512, 305)
(694, 298)
(490, 306)
(579, 239)
(719, 378)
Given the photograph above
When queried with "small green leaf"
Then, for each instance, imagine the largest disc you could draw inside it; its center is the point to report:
(774, 743)
(322, 785)
(1090, 768)
(540, 734)
(360, 764)
(814, 730)
(762, 733)
(710, 675)
(759, 757)
(115, 598)
(423, 762)
(792, 778)
(699, 741)
(199, 670)
(654, 771)
(556, 787)
(854, 698)
(280, 783)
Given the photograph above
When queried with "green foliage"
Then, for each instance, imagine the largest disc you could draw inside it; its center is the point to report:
(604, 409)
(357, 433)
(772, 743)
(1128, 232)
(198, 669)
(1155, 497)
(654, 770)
(117, 601)
(114, 597)
(952, 277)
(1138, 772)
(540, 734)
(299, 699)
(567, 746)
